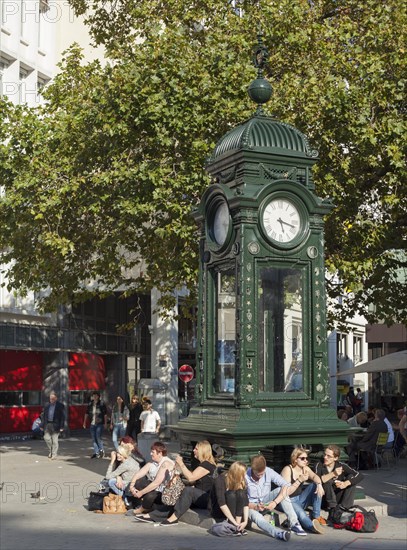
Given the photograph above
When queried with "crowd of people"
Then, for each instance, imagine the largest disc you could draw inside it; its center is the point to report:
(238, 496)
(138, 417)
(373, 421)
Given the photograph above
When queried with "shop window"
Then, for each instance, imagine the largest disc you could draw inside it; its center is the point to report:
(79, 397)
(9, 398)
(20, 398)
(31, 398)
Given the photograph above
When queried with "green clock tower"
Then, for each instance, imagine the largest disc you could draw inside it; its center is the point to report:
(262, 372)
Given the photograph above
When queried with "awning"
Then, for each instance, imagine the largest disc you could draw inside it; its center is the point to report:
(386, 363)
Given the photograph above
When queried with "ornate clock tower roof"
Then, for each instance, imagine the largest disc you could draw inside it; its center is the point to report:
(264, 134)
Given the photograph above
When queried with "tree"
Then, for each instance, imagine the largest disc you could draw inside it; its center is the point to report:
(108, 171)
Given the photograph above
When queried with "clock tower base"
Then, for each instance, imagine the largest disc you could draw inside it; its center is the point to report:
(273, 431)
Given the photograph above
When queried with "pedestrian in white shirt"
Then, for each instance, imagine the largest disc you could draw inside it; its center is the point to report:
(150, 419)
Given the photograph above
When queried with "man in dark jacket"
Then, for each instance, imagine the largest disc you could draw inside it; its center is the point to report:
(368, 441)
(54, 419)
(338, 479)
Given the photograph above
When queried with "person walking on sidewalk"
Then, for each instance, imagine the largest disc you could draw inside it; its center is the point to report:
(118, 423)
(134, 423)
(150, 428)
(54, 420)
(97, 413)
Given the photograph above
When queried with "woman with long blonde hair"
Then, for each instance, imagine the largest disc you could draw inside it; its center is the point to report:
(196, 495)
(301, 496)
(229, 498)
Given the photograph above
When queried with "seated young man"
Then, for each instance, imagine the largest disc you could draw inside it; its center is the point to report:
(267, 490)
(338, 480)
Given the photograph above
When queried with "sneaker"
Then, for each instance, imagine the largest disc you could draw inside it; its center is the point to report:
(318, 527)
(322, 520)
(144, 519)
(101, 453)
(95, 455)
(167, 523)
(283, 535)
(298, 530)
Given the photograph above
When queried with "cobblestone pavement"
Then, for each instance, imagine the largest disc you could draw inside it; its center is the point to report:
(60, 520)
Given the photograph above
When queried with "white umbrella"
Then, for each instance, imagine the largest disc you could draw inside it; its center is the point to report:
(386, 363)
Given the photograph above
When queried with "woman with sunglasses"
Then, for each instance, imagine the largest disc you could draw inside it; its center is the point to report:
(301, 496)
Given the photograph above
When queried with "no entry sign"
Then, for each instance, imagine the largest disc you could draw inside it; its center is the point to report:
(186, 373)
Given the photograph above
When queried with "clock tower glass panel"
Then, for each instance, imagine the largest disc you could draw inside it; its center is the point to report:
(225, 332)
(280, 310)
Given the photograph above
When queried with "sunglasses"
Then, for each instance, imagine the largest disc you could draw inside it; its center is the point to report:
(303, 458)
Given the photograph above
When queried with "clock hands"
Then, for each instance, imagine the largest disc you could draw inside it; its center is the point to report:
(281, 222)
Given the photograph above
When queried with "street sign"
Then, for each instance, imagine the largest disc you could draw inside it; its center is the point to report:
(186, 373)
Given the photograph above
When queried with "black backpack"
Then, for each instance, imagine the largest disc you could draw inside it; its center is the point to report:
(355, 518)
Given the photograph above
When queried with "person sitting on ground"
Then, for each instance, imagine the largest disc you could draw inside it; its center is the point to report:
(229, 497)
(338, 480)
(358, 421)
(196, 495)
(36, 428)
(148, 483)
(267, 490)
(368, 441)
(121, 470)
(342, 415)
(297, 473)
(131, 445)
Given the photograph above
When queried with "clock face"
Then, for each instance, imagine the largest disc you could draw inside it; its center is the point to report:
(221, 222)
(281, 221)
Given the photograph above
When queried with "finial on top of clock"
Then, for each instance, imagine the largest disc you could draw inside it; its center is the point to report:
(260, 89)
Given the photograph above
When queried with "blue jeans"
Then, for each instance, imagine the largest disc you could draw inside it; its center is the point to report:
(119, 431)
(285, 506)
(115, 488)
(263, 523)
(96, 431)
(300, 502)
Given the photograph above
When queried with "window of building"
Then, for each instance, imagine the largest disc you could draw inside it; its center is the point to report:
(80, 397)
(341, 347)
(22, 17)
(357, 349)
(20, 398)
(41, 83)
(22, 83)
(3, 9)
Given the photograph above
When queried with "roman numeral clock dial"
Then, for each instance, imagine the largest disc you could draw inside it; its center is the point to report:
(282, 221)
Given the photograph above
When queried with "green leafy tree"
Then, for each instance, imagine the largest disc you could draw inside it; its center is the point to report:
(108, 171)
